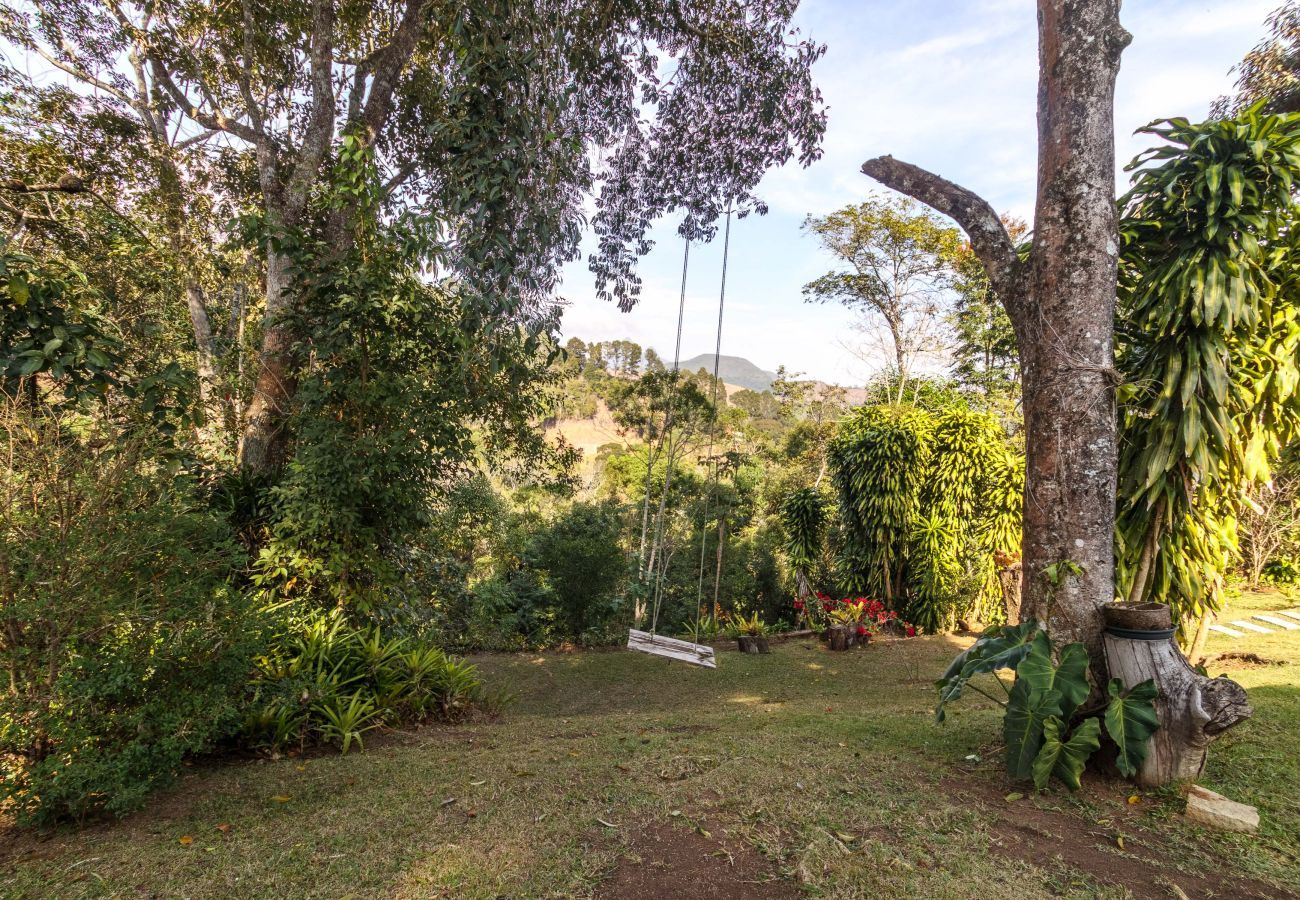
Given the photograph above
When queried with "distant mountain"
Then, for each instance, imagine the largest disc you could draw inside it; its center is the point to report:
(732, 370)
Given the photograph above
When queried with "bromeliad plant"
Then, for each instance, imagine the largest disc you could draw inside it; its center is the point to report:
(1047, 731)
(739, 625)
(326, 680)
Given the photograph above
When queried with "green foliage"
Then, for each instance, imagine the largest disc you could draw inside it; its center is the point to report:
(1028, 710)
(1208, 345)
(390, 389)
(803, 516)
(878, 460)
(325, 680)
(580, 560)
(124, 645)
(927, 499)
(1044, 732)
(1064, 757)
(1130, 722)
(999, 647)
(751, 625)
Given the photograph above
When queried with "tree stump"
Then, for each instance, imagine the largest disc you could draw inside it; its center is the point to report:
(1009, 579)
(749, 643)
(844, 637)
(1193, 710)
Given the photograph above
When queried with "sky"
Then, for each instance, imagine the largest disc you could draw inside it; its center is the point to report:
(947, 84)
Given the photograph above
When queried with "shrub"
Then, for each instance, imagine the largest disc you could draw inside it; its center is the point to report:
(324, 680)
(124, 645)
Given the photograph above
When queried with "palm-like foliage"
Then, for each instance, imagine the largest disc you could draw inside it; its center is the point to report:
(1208, 339)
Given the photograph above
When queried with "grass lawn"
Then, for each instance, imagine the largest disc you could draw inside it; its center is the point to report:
(800, 773)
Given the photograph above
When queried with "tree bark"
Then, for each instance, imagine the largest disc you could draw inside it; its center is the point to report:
(1193, 709)
(1061, 302)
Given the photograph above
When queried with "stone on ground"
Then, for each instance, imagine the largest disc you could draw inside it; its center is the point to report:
(1208, 808)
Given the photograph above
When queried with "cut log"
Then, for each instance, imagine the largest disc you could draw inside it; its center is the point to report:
(1193, 710)
(749, 643)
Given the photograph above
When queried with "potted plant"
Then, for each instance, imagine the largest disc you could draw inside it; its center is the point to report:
(750, 633)
(855, 621)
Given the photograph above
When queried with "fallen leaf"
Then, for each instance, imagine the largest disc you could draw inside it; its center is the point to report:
(185, 840)
(448, 802)
(675, 813)
(280, 798)
(478, 783)
(1119, 841)
(845, 837)
(1014, 796)
(224, 828)
(1133, 798)
(301, 768)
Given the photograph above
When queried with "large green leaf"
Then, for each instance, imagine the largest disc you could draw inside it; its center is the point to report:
(1069, 678)
(1000, 647)
(1022, 727)
(1130, 721)
(1065, 758)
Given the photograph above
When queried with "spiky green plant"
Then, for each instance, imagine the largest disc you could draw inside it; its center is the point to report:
(1208, 339)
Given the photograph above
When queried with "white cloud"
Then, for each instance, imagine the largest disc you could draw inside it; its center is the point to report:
(946, 84)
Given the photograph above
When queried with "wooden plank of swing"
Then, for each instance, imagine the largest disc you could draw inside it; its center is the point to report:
(683, 651)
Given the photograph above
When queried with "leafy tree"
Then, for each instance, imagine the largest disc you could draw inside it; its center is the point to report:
(984, 350)
(898, 262)
(452, 101)
(1208, 347)
(1271, 71)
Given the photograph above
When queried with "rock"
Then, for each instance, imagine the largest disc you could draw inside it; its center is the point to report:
(1208, 808)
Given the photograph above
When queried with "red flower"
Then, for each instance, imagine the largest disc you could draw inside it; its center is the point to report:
(911, 631)
(798, 604)
(862, 629)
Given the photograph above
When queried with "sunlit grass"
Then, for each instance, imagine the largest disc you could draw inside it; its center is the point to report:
(783, 752)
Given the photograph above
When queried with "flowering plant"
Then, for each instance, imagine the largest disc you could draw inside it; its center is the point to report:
(868, 616)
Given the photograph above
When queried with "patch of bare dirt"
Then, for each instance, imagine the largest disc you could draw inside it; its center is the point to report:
(665, 860)
(1238, 659)
(1113, 850)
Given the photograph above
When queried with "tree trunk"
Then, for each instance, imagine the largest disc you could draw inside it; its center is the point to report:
(1066, 344)
(1009, 577)
(262, 446)
(1062, 304)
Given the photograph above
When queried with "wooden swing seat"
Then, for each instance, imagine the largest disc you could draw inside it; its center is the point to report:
(682, 651)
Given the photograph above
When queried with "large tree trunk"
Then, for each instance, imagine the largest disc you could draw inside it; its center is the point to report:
(1062, 304)
(1066, 347)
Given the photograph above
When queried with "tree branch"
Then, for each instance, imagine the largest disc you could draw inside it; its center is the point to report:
(988, 236)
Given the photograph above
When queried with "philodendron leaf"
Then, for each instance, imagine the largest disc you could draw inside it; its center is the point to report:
(1130, 721)
(1065, 758)
(999, 647)
(1069, 678)
(1072, 678)
(1022, 727)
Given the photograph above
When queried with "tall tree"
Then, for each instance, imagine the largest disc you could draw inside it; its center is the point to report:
(984, 346)
(1061, 301)
(898, 263)
(483, 115)
(1271, 71)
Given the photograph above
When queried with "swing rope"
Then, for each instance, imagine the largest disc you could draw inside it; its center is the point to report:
(659, 564)
(710, 494)
(657, 543)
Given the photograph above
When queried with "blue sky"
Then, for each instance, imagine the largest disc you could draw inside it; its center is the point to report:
(947, 84)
